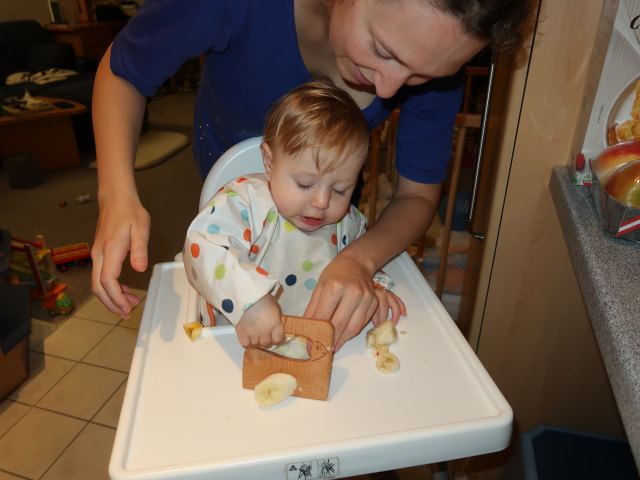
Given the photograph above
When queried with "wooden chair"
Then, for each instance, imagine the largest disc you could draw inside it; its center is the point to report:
(375, 146)
(473, 96)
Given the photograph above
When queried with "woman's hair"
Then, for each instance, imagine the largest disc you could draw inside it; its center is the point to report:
(320, 116)
(500, 22)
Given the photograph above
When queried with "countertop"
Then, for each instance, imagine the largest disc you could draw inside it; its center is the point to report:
(609, 273)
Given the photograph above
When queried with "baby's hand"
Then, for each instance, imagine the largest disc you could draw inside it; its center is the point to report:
(388, 300)
(261, 324)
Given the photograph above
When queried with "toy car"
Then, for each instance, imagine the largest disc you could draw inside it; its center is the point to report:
(58, 302)
(64, 257)
(61, 304)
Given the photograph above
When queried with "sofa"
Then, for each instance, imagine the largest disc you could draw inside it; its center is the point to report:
(25, 46)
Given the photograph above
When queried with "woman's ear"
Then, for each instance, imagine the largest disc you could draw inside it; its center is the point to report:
(267, 158)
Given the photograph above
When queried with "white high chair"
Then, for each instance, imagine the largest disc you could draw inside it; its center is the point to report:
(186, 416)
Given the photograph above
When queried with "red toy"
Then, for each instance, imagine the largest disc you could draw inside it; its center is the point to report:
(64, 257)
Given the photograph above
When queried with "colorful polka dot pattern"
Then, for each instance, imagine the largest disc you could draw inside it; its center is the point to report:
(298, 264)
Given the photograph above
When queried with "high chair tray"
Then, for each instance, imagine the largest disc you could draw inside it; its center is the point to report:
(185, 414)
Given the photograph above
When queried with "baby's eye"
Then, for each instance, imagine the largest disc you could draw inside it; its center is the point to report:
(339, 192)
(303, 186)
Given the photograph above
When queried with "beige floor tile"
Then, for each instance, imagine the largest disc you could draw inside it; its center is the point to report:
(74, 338)
(115, 350)
(10, 413)
(134, 319)
(39, 331)
(87, 457)
(83, 391)
(110, 413)
(93, 309)
(44, 372)
(33, 443)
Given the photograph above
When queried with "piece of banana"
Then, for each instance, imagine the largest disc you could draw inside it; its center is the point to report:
(387, 362)
(274, 389)
(193, 330)
(379, 349)
(378, 340)
(383, 334)
(295, 346)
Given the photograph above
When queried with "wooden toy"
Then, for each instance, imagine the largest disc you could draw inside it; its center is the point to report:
(64, 257)
(31, 264)
(313, 375)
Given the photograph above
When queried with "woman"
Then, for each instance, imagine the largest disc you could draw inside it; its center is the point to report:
(382, 52)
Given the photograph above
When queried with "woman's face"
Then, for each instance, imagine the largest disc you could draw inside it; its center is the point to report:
(386, 44)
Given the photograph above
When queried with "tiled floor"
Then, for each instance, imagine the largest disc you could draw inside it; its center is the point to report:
(61, 423)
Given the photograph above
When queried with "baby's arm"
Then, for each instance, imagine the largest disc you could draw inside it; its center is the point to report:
(217, 254)
(261, 324)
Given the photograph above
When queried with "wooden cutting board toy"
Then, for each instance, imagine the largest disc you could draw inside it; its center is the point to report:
(313, 375)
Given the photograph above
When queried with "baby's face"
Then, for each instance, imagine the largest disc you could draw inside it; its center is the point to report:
(307, 198)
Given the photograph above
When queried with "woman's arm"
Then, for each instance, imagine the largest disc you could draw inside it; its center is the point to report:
(123, 223)
(344, 293)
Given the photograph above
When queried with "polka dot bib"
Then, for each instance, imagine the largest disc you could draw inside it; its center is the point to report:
(297, 259)
(239, 249)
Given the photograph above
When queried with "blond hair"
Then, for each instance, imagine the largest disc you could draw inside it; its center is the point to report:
(320, 116)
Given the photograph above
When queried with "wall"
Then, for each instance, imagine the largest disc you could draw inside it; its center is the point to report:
(33, 10)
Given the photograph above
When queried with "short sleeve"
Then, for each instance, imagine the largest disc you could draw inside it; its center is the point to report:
(166, 33)
(425, 129)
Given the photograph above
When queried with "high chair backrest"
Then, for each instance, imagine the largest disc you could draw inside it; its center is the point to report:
(243, 158)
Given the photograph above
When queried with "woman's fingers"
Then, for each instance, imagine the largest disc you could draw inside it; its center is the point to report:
(120, 231)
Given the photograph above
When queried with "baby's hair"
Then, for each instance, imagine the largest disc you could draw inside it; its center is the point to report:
(320, 116)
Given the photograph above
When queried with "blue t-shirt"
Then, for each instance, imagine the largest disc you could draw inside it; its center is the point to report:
(252, 59)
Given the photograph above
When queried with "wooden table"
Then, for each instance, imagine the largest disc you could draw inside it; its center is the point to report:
(47, 134)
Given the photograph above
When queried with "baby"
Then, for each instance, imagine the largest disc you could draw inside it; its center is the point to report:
(256, 250)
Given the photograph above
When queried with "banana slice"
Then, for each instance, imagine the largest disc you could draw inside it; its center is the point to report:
(387, 362)
(383, 334)
(295, 346)
(378, 340)
(193, 330)
(379, 349)
(274, 389)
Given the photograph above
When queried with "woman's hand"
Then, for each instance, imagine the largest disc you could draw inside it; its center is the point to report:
(123, 227)
(261, 324)
(345, 295)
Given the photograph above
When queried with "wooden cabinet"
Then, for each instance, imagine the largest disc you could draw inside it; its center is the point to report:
(89, 39)
(526, 317)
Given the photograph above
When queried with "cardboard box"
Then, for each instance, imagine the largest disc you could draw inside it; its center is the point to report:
(15, 326)
(609, 99)
(14, 367)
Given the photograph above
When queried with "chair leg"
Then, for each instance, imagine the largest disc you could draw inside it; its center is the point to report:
(448, 220)
(374, 159)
